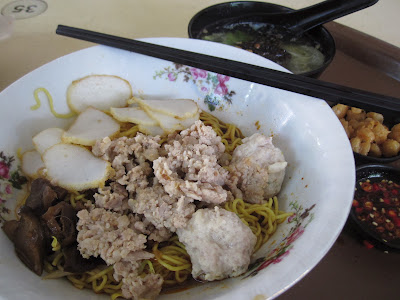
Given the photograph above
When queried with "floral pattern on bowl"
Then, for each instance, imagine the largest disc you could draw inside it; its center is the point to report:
(213, 86)
(10, 181)
(301, 218)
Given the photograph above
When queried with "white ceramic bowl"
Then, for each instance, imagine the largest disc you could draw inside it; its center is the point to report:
(318, 187)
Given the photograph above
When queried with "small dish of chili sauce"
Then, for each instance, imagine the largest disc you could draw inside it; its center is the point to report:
(376, 204)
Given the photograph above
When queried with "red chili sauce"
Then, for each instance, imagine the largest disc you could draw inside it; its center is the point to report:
(376, 205)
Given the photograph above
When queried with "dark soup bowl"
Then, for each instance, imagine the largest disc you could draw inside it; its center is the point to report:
(307, 55)
(376, 205)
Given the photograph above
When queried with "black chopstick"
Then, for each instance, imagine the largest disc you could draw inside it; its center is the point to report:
(290, 82)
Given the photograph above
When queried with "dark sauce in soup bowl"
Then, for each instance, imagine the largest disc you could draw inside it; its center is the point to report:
(307, 55)
(298, 54)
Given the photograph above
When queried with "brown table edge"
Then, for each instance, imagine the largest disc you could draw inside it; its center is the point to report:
(379, 54)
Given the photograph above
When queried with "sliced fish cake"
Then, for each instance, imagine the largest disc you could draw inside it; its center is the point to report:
(47, 138)
(98, 91)
(31, 163)
(177, 108)
(91, 125)
(75, 168)
(167, 123)
(133, 115)
(152, 130)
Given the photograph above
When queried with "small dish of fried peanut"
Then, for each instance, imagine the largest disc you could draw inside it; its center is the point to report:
(367, 133)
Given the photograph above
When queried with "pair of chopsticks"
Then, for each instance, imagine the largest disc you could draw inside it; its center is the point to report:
(285, 81)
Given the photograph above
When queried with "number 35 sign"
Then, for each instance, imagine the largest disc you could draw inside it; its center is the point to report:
(23, 9)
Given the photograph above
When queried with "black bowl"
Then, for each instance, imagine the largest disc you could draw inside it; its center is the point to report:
(365, 159)
(225, 11)
(368, 229)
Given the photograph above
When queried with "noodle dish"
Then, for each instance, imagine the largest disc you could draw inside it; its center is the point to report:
(129, 177)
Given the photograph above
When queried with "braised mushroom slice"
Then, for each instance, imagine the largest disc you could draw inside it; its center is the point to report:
(61, 221)
(43, 195)
(61, 192)
(29, 242)
(9, 228)
(75, 263)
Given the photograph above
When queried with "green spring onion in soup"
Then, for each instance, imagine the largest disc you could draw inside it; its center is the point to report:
(297, 54)
(304, 58)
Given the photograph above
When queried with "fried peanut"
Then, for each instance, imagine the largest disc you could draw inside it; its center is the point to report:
(369, 123)
(364, 148)
(375, 116)
(390, 148)
(351, 115)
(356, 110)
(375, 150)
(395, 135)
(365, 134)
(340, 110)
(349, 130)
(396, 127)
(381, 133)
(355, 124)
(355, 144)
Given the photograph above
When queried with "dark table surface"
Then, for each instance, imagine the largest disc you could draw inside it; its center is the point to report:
(351, 270)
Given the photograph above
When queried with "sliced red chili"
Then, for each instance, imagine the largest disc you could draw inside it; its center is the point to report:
(368, 244)
(387, 201)
(392, 213)
(359, 210)
(375, 187)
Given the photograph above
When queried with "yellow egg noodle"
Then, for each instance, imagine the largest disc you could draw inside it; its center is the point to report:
(51, 104)
(171, 260)
(231, 136)
(261, 218)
